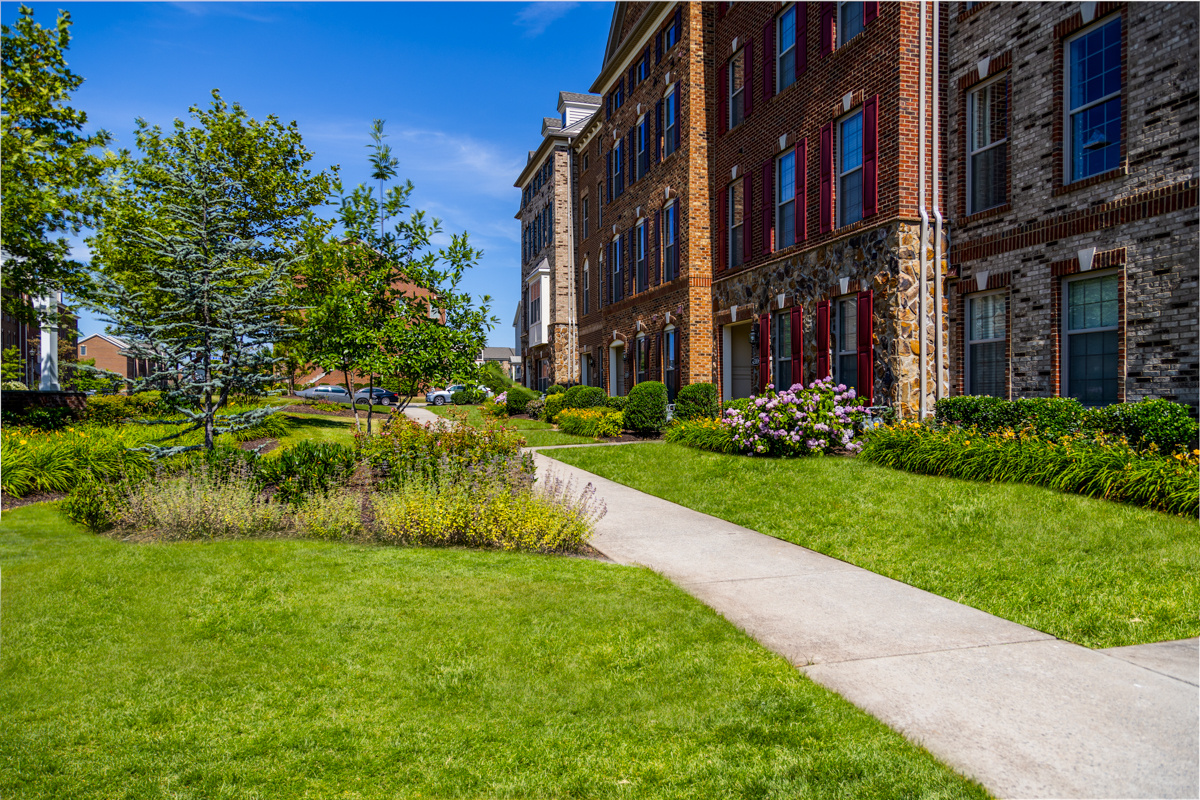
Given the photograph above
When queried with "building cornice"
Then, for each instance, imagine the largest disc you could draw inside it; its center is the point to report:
(652, 17)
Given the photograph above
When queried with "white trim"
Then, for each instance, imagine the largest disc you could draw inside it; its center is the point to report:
(839, 155)
(1065, 310)
(972, 99)
(968, 341)
(778, 56)
(1068, 112)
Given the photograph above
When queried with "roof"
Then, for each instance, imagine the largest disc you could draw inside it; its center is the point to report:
(576, 97)
(499, 353)
(113, 340)
(551, 122)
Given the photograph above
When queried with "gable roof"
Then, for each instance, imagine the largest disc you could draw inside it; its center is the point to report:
(113, 340)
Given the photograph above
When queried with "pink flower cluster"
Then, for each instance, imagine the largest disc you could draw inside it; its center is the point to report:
(798, 421)
(501, 399)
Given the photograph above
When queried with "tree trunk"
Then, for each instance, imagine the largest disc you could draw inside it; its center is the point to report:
(370, 400)
(353, 405)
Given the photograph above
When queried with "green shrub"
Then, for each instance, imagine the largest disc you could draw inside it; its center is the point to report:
(45, 419)
(404, 452)
(594, 422)
(1112, 471)
(115, 408)
(585, 397)
(94, 504)
(306, 468)
(702, 433)
(13, 386)
(518, 399)
(646, 411)
(470, 396)
(555, 388)
(34, 461)
(741, 404)
(535, 407)
(616, 403)
(554, 404)
(493, 377)
(1161, 423)
(697, 401)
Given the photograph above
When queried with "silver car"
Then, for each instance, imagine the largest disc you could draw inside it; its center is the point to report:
(439, 397)
(332, 394)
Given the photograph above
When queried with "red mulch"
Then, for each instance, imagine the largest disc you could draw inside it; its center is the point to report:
(267, 444)
(8, 502)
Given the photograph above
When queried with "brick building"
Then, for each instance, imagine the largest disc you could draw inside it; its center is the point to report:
(26, 338)
(547, 326)
(644, 245)
(778, 192)
(1072, 130)
(109, 353)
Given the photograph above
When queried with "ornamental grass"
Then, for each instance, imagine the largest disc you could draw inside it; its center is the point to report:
(1099, 466)
(702, 433)
(594, 422)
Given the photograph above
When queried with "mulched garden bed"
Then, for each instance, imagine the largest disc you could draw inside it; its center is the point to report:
(8, 502)
(267, 444)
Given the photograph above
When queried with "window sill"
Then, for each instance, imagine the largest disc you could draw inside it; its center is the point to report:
(985, 214)
(1083, 183)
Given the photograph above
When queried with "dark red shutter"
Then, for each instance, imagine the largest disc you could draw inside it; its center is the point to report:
(764, 351)
(748, 75)
(658, 47)
(631, 269)
(801, 51)
(679, 23)
(768, 67)
(721, 9)
(678, 115)
(658, 350)
(658, 131)
(657, 246)
(675, 237)
(826, 196)
(828, 12)
(632, 76)
(823, 308)
(722, 92)
(797, 345)
(747, 218)
(871, 156)
(722, 229)
(646, 60)
(605, 266)
(870, 12)
(608, 175)
(866, 347)
(768, 207)
(631, 154)
(802, 191)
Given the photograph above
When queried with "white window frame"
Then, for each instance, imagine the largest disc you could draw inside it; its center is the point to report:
(780, 55)
(839, 150)
(641, 252)
(1066, 332)
(1068, 112)
(842, 40)
(735, 255)
(587, 271)
(669, 332)
(641, 347)
(670, 120)
(83, 349)
(780, 202)
(535, 303)
(642, 143)
(736, 99)
(583, 202)
(781, 351)
(615, 278)
(668, 233)
(968, 341)
(972, 96)
(836, 327)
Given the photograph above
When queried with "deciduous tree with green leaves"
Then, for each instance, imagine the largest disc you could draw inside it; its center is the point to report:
(52, 173)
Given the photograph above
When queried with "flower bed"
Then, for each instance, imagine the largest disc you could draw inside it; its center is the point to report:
(1099, 466)
(799, 421)
(593, 422)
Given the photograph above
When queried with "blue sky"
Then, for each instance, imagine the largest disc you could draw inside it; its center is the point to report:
(463, 87)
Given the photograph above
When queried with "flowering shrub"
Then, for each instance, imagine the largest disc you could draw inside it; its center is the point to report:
(500, 399)
(595, 422)
(1099, 466)
(441, 453)
(798, 421)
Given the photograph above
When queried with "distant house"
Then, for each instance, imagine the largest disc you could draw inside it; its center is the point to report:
(508, 358)
(107, 350)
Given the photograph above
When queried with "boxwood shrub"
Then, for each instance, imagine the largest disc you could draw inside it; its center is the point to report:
(697, 401)
(554, 404)
(616, 403)
(555, 388)
(585, 397)
(518, 399)
(594, 422)
(646, 410)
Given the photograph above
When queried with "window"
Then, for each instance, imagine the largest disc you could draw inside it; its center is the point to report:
(587, 295)
(670, 358)
(672, 34)
(1094, 109)
(599, 206)
(643, 281)
(643, 147)
(585, 162)
(850, 177)
(846, 342)
(643, 67)
(785, 200)
(986, 344)
(619, 98)
(670, 246)
(584, 205)
(535, 301)
(849, 24)
(616, 286)
(642, 351)
(671, 112)
(785, 56)
(83, 349)
(737, 89)
(987, 137)
(1091, 334)
(781, 345)
(736, 216)
(618, 164)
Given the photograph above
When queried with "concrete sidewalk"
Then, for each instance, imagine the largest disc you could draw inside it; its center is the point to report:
(1024, 713)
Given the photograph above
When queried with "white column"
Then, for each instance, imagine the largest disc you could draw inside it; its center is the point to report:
(49, 342)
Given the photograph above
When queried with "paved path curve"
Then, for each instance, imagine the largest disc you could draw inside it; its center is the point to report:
(1024, 713)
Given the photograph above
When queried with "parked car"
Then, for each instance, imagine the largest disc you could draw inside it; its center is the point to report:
(383, 397)
(332, 394)
(439, 397)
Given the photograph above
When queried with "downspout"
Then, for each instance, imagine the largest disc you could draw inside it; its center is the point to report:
(939, 347)
(922, 310)
(572, 332)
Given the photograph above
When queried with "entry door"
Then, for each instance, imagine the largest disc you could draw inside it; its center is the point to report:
(616, 370)
(742, 384)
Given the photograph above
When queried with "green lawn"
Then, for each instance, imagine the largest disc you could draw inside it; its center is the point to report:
(320, 428)
(280, 669)
(1097, 573)
(535, 433)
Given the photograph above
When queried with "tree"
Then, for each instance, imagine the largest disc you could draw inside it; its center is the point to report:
(52, 181)
(209, 332)
(384, 302)
(258, 170)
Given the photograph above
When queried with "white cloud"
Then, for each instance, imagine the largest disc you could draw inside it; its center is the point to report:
(536, 17)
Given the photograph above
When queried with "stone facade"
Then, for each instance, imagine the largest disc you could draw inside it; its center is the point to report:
(1137, 221)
